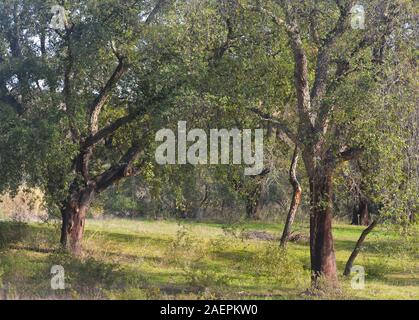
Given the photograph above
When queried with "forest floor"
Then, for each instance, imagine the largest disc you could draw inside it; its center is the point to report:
(145, 259)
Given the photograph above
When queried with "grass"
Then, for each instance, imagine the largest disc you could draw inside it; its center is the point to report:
(141, 259)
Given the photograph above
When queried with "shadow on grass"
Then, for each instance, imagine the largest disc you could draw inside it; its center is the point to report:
(33, 249)
(130, 238)
(126, 257)
(403, 280)
(234, 256)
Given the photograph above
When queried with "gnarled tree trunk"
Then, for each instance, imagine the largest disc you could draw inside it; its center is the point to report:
(73, 220)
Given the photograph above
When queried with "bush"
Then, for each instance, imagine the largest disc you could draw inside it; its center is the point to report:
(184, 247)
(272, 263)
(202, 278)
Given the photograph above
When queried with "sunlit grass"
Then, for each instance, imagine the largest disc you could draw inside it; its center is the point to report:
(141, 259)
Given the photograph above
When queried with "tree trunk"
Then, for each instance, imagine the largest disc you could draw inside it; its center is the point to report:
(73, 220)
(355, 218)
(202, 209)
(254, 198)
(364, 215)
(361, 215)
(323, 260)
(254, 201)
(358, 247)
(412, 217)
(295, 202)
(65, 216)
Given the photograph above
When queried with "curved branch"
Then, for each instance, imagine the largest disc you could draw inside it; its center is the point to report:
(118, 123)
(124, 168)
(114, 126)
(296, 199)
(96, 106)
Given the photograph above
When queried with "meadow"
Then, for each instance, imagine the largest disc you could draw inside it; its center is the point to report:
(148, 259)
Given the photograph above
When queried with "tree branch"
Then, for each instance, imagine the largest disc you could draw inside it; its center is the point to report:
(358, 247)
(96, 106)
(108, 130)
(292, 138)
(275, 19)
(344, 64)
(118, 123)
(300, 59)
(325, 52)
(124, 168)
(68, 69)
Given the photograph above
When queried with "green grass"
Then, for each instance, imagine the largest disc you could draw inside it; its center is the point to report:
(140, 259)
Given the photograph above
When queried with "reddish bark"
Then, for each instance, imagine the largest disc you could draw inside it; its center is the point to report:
(74, 216)
(323, 261)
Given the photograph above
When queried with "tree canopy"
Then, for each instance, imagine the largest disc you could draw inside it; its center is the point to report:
(82, 97)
